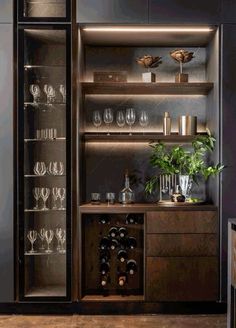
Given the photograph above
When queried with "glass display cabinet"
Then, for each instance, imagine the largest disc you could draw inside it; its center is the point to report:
(44, 211)
(44, 10)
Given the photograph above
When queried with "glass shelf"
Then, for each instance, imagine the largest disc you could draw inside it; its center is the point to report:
(43, 254)
(35, 105)
(45, 211)
(45, 140)
(43, 66)
(43, 176)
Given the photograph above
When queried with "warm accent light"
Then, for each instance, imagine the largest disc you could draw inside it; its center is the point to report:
(148, 29)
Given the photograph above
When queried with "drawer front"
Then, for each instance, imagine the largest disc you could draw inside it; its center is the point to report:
(181, 279)
(181, 244)
(182, 222)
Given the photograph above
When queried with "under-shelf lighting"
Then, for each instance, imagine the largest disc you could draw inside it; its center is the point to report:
(148, 29)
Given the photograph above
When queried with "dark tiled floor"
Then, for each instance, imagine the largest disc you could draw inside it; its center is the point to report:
(138, 321)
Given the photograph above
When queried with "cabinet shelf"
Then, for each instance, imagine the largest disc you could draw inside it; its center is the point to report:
(44, 211)
(200, 88)
(36, 105)
(43, 176)
(138, 137)
(43, 66)
(43, 254)
(45, 140)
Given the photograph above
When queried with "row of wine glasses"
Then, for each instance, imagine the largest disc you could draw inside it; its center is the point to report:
(122, 117)
(44, 193)
(53, 168)
(47, 235)
(44, 134)
(49, 91)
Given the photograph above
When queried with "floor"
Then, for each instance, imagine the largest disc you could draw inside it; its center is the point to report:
(141, 321)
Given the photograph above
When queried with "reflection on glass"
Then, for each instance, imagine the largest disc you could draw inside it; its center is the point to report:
(50, 93)
(62, 90)
(36, 93)
(36, 194)
(62, 196)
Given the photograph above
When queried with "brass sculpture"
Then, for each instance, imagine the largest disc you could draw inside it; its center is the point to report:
(181, 56)
(149, 62)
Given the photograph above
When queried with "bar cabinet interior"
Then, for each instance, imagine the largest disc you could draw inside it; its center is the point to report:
(44, 162)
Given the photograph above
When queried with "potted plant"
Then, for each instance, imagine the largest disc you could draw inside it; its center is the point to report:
(189, 165)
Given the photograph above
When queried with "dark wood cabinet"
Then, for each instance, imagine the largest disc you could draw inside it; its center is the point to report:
(184, 11)
(228, 11)
(112, 11)
(181, 251)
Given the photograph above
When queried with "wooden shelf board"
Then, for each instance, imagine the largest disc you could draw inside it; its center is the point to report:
(140, 88)
(118, 298)
(137, 137)
(141, 208)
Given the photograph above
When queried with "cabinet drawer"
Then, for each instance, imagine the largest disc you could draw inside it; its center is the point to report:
(181, 279)
(182, 222)
(181, 244)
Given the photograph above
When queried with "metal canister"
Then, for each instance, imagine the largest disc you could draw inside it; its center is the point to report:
(187, 125)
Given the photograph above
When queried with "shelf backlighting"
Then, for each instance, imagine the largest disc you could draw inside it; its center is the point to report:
(148, 29)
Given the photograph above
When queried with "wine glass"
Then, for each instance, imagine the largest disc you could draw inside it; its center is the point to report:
(62, 239)
(50, 93)
(49, 234)
(58, 237)
(32, 236)
(97, 119)
(54, 197)
(120, 119)
(36, 92)
(40, 168)
(144, 119)
(62, 90)
(58, 168)
(41, 235)
(50, 168)
(36, 194)
(108, 118)
(62, 196)
(44, 193)
(130, 118)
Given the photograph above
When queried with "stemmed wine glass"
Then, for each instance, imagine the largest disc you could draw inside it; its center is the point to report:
(55, 168)
(44, 193)
(62, 90)
(40, 168)
(36, 194)
(58, 237)
(49, 234)
(97, 119)
(120, 119)
(32, 236)
(54, 197)
(144, 119)
(41, 235)
(50, 93)
(62, 240)
(36, 92)
(130, 118)
(108, 118)
(62, 196)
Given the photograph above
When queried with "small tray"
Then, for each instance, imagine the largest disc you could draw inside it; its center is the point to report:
(170, 203)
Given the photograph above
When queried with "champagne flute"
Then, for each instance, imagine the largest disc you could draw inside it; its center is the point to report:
(62, 90)
(130, 118)
(36, 194)
(97, 119)
(62, 196)
(120, 119)
(45, 192)
(54, 197)
(36, 92)
(49, 234)
(32, 236)
(108, 118)
(144, 119)
(41, 235)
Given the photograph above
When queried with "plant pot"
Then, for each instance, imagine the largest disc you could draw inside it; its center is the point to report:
(185, 183)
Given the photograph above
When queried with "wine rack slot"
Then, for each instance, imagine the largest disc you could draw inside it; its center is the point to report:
(112, 254)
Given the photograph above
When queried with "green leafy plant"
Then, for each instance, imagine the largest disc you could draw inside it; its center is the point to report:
(178, 160)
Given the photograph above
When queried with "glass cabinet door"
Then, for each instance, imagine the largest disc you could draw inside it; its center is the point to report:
(44, 10)
(44, 162)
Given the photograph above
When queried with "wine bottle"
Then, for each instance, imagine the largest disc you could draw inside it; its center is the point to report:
(130, 219)
(104, 219)
(104, 256)
(122, 255)
(131, 242)
(104, 268)
(122, 232)
(131, 267)
(105, 243)
(113, 232)
(104, 280)
(122, 278)
(123, 243)
(113, 244)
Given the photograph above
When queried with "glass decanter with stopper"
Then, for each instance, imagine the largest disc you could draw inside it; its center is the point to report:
(126, 195)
